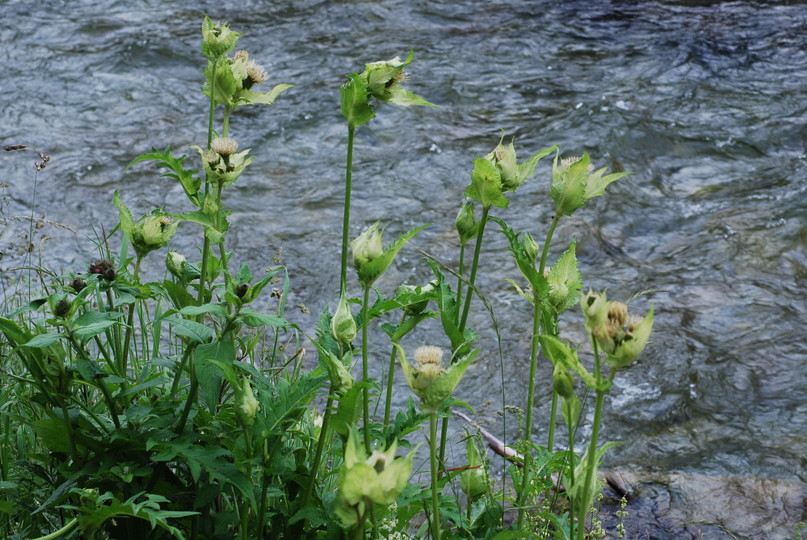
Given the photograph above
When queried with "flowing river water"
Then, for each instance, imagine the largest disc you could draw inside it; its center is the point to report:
(706, 102)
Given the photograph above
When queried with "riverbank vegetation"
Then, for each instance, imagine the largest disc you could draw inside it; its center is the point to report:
(173, 408)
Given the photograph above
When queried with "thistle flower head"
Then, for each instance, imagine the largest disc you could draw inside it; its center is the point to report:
(224, 146)
(428, 379)
(620, 335)
(365, 481)
(256, 73)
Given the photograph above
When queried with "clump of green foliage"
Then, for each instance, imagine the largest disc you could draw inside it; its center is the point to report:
(153, 409)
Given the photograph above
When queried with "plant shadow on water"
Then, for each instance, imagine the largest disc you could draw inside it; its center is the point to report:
(701, 101)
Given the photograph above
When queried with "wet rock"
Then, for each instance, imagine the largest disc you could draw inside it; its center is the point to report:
(677, 505)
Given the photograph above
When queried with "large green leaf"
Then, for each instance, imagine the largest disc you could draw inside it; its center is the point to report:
(355, 101)
(486, 185)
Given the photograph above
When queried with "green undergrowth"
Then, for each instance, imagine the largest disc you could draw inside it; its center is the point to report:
(137, 409)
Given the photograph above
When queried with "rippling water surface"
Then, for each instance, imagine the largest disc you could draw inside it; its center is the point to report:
(704, 101)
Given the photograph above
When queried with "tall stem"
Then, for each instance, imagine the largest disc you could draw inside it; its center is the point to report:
(536, 328)
(324, 434)
(465, 310)
(472, 279)
(460, 271)
(433, 456)
(206, 243)
(365, 369)
(391, 379)
(591, 457)
(536, 332)
(346, 217)
(129, 326)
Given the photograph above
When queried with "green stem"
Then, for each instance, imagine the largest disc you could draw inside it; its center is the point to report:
(553, 409)
(433, 456)
(346, 217)
(365, 369)
(591, 457)
(206, 245)
(70, 436)
(536, 328)
(101, 384)
(248, 467)
(129, 326)
(72, 524)
(474, 265)
(536, 332)
(225, 126)
(571, 476)
(465, 310)
(460, 271)
(324, 434)
(390, 378)
(264, 492)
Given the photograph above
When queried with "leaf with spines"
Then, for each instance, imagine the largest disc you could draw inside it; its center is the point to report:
(355, 101)
(565, 280)
(187, 177)
(486, 185)
(372, 269)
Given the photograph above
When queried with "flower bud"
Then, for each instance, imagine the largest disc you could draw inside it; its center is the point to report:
(78, 285)
(466, 224)
(246, 404)
(428, 380)
(176, 264)
(338, 371)
(562, 382)
(365, 481)
(504, 158)
(367, 246)
(62, 308)
(343, 325)
(103, 269)
(531, 247)
(217, 39)
(152, 233)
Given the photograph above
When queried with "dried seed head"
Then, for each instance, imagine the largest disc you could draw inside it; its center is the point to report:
(398, 78)
(256, 72)
(617, 313)
(224, 146)
(428, 354)
(211, 157)
(633, 322)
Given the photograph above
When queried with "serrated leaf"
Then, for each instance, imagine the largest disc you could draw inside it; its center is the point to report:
(565, 280)
(597, 183)
(245, 97)
(355, 101)
(124, 216)
(558, 352)
(190, 183)
(486, 185)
